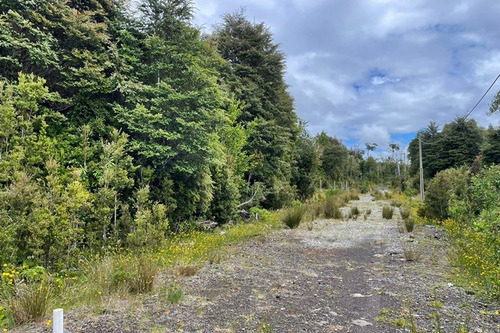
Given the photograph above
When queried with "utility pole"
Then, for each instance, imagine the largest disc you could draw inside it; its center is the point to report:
(421, 169)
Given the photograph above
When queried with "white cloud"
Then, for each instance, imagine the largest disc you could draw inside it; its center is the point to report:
(374, 133)
(371, 69)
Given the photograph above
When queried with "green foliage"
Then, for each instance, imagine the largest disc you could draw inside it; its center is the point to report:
(387, 212)
(491, 150)
(474, 230)
(254, 73)
(332, 208)
(306, 164)
(293, 216)
(446, 186)
(456, 145)
(30, 302)
(333, 158)
(174, 295)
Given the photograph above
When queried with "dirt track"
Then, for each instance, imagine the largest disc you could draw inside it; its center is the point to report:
(342, 276)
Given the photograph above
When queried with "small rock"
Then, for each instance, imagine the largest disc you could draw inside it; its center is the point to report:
(361, 322)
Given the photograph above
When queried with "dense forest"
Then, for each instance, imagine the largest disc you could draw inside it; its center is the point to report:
(118, 127)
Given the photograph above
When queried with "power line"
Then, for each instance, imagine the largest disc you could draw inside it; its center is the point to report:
(487, 91)
(470, 111)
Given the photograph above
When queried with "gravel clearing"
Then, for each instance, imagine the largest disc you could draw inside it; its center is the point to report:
(341, 276)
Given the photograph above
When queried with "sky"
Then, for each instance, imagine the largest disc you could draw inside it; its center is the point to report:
(379, 70)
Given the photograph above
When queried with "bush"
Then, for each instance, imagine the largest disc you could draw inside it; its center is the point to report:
(378, 195)
(446, 185)
(396, 203)
(262, 214)
(142, 273)
(474, 232)
(293, 216)
(354, 213)
(409, 224)
(411, 251)
(387, 212)
(331, 208)
(405, 213)
(353, 196)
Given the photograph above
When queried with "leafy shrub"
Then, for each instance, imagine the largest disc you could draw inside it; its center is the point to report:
(293, 216)
(387, 212)
(332, 192)
(262, 214)
(474, 232)
(446, 185)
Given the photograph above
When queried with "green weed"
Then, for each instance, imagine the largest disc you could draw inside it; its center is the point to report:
(293, 216)
(387, 212)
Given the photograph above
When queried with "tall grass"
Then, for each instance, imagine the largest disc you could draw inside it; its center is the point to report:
(411, 251)
(332, 208)
(387, 212)
(293, 216)
(30, 302)
(354, 212)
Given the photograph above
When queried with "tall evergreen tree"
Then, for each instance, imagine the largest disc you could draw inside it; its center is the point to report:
(491, 150)
(254, 72)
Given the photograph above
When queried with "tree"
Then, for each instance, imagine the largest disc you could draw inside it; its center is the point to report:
(430, 150)
(456, 145)
(306, 162)
(461, 143)
(370, 147)
(491, 150)
(254, 73)
(333, 158)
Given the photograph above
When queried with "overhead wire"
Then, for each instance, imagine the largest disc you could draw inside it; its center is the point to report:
(468, 113)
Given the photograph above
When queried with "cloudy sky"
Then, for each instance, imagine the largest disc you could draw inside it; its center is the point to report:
(380, 70)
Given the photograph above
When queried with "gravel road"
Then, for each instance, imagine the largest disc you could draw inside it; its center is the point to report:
(341, 276)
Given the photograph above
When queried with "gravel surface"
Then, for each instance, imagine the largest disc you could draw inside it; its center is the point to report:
(341, 276)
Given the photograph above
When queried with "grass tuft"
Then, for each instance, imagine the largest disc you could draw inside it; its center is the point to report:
(332, 209)
(293, 216)
(174, 295)
(30, 302)
(354, 212)
(189, 270)
(411, 251)
(387, 212)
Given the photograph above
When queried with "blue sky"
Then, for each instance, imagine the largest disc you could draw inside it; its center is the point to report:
(380, 70)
